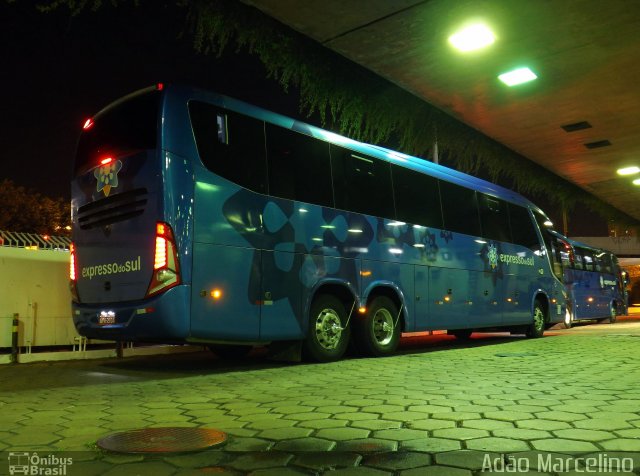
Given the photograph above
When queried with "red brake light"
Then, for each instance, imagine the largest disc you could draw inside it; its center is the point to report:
(72, 262)
(159, 86)
(160, 259)
(72, 273)
(106, 160)
(166, 268)
(87, 124)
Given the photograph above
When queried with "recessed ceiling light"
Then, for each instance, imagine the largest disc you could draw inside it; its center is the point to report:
(472, 37)
(517, 76)
(628, 170)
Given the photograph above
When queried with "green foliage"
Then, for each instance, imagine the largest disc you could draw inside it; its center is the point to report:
(77, 6)
(27, 211)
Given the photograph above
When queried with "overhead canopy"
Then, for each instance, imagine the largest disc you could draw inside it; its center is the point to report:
(585, 53)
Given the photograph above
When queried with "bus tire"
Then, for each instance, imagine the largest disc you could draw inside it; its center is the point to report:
(328, 336)
(536, 328)
(613, 313)
(377, 333)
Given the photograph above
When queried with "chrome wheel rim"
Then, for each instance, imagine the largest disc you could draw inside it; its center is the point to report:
(328, 329)
(383, 326)
(538, 319)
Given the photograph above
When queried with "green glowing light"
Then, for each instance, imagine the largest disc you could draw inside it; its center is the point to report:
(517, 76)
(628, 170)
(472, 37)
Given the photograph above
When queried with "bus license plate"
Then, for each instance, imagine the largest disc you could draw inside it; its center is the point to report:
(107, 318)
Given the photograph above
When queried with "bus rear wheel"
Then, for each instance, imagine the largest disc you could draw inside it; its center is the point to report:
(328, 333)
(536, 328)
(377, 332)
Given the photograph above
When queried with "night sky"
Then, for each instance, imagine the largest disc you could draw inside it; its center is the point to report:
(58, 70)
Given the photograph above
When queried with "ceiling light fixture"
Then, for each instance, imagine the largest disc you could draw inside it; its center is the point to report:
(517, 76)
(472, 37)
(628, 170)
(636, 181)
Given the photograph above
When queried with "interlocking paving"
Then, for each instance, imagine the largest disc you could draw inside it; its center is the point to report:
(437, 408)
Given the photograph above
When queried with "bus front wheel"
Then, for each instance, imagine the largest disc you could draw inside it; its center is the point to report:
(613, 313)
(536, 328)
(328, 333)
(378, 332)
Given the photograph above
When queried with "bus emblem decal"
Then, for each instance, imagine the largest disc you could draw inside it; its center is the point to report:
(107, 177)
(493, 256)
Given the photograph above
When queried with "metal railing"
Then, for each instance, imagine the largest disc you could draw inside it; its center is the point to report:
(34, 241)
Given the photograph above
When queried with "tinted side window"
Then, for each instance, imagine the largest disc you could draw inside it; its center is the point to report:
(299, 167)
(459, 209)
(361, 184)
(579, 260)
(230, 145)
(494, 217)
(605, 262)
(523, 231)
(588, 262)
(541, 219)
(417, 197)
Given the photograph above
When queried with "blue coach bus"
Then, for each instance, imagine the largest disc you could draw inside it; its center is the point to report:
(199, 218)
(594, 281)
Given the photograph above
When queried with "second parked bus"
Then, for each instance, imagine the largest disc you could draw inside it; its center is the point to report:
(594, 280)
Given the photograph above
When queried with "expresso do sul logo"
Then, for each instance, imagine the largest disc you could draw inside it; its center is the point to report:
(107, 176)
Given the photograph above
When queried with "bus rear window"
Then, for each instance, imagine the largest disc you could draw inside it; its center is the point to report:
(125, 128)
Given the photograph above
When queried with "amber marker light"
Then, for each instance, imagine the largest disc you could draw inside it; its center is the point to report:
(216, 294)
(362, 310)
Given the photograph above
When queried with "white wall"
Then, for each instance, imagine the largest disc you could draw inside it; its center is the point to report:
(35, 284)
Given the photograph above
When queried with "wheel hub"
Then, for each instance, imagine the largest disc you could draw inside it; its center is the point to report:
(383, 326)
(328, 329)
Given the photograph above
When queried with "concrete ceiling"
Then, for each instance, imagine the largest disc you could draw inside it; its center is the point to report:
(586, 54)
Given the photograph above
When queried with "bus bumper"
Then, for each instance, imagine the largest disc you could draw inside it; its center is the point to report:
(162, 318)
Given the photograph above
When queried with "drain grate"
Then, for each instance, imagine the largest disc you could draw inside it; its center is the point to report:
(162, 440)
(516, 354)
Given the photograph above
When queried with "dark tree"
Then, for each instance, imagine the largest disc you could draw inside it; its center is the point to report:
(24, 210)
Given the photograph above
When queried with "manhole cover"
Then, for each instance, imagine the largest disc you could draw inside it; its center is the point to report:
(162, 440)
(517, 354)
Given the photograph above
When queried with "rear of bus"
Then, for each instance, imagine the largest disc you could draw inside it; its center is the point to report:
(126, 276)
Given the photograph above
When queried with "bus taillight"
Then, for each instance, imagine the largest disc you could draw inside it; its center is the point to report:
(166, 269)
(72, 273)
